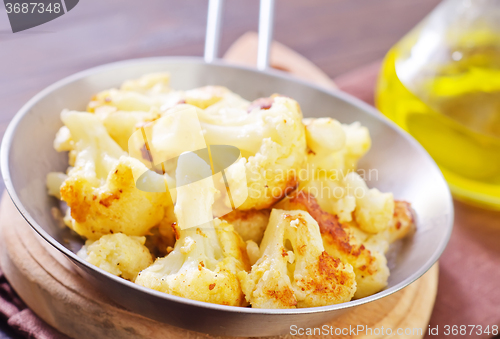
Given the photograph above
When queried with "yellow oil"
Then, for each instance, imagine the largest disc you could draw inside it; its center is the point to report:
(453, 110)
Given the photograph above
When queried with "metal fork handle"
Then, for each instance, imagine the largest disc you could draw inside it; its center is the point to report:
(214, 19)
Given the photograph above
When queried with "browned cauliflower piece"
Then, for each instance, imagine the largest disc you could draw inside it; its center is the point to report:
(119, 254)
(100, 189)
(149, 92)
(250, 224)
(272, 144)
(351, 200)
(364, 251)
(335, 147)
(370, 267)
(403, 222)
(202, 266)
(293, 269)
(122, 124)
(206, 257)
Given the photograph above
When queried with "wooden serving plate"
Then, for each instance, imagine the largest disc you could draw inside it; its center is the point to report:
(56, 293)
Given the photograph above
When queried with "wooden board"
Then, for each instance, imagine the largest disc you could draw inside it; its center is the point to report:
(66, 301)
(244, 52)
(50, 287)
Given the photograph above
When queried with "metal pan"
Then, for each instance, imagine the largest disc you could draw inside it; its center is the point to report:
(404, 168)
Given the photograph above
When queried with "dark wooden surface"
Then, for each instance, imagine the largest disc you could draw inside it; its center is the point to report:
(337, 35)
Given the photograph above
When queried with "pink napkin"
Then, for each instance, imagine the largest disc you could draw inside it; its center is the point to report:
(20, 318)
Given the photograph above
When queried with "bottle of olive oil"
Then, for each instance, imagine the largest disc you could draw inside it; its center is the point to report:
(441, 83)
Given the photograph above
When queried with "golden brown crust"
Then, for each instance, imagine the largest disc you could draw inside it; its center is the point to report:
(108, 199)
(335, 235)
(176, 231)
(78, 203)
(248, 215)
(403, 212)
(283, 296)
(403, 221)
(329, 224)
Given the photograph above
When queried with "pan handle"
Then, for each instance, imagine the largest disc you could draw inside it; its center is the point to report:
(212, 38)
(266, 18)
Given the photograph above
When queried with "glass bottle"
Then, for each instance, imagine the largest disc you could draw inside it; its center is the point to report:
(441, 83)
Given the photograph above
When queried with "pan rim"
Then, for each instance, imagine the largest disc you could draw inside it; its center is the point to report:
(11, 130)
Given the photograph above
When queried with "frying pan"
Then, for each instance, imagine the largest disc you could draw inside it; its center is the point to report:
(403, 168)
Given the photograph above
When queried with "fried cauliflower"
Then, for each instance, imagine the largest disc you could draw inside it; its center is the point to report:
(205, 195)
(100, 189)
(294, 270)
(350, 199)
(403, 221)
(364, 251)
(150, 92)
(250, 224)
(271, 137)
(334, 149)
(122, 124)
(119, 254)
(207, 256)
(272, 144)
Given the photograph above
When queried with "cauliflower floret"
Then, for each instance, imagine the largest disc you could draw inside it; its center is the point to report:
(116, 206)
(129, 101)
(271, 139)
(293, 269)
(119, 254)
(324, 135)
(341, 241)
(350, 199)
(403, 222)
(401, 225)
(204, 97)
(122, 124)
(63, 141)
(335, 149)
(253, 252)
(149, 83)
(202, 266)
(231, 104)
(332, 196)
(374, 210)
(207, 257)
(358, 143)
(150, 92)
(272, 145)
(250, 224)
(101, 191)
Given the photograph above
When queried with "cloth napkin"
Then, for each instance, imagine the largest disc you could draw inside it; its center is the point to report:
(469, 281)
(20, 318)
